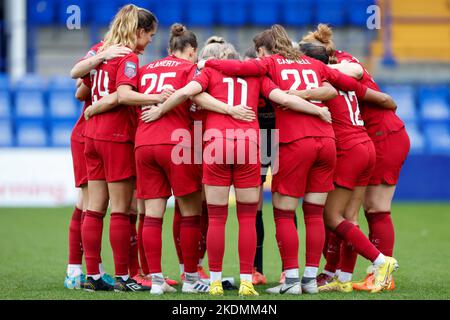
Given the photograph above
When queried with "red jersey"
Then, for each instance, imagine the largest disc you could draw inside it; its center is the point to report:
(347, 123)
(78, 129)
(118, 124)
(234, 91)
(378, 121)
(169, 71)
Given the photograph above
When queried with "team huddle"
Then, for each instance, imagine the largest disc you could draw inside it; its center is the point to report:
(311, 113)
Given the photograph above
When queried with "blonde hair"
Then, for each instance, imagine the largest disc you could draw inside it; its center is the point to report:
(214, 39)
(219, 51)
(276, 40)
(323, 35)
(127, 21)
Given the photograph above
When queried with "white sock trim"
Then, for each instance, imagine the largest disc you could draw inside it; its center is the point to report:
(291, 273)
(328, 273)
(310, 272)
(216, 276)
(345, 277)
(246, 277)
(379, 260)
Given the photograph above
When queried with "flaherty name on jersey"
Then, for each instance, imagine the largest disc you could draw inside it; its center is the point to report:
(163, 63)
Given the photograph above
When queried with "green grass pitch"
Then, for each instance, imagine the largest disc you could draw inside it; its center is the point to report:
(33, 255)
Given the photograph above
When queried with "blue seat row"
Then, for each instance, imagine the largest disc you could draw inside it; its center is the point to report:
(207, 12)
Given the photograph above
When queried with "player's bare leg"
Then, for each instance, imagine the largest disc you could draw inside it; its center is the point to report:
(287, 238)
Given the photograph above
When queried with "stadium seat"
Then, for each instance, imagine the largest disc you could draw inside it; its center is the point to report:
(434, 103)
(4, 81)
(30, 104)
(5, 104)
(416, 138)
(297, 12)
(60, 133)
(62, 14)
(62, 83)
(169, 12)
(357, 12)
(404, 96)
(6, 134)
(232, 12)
(31, 134)
(63, 105)
(41, 12)
(200, 12)
(103, 11)
(438, 138)
(31, 81)
(331, 12)
(264, 12)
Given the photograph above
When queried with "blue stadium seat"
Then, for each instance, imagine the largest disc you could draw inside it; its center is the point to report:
(6, 134)
(331, 12)
(297, 12)
(404, 96)
(63, 105)
(31, 81)
(62, 83)
(438, 138)
(4, 81)
(62, 14)
(41, 12)
(357, 12)
(30, 104)
(200, 12)
(5, 104)
(233, 12)
(60, 133)
(434, 103)
(416, 138)
(264, 12)
(169, 12)
(103, 12)
(31, 134)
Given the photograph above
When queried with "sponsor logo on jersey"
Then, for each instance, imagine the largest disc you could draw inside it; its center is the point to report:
(130, 69)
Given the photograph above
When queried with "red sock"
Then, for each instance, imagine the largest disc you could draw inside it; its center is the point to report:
(246, 213)
(91, 235)
(152, 239)
(287, 237)
(119, 236)
(350, 233)
(176, 232)
(333, 252)
(325, 245)
(215, 240)
(142, 259)
(75, 244)
(348, 257)
(381, 232)
(203, 230)
(315, 232)
(134, 252)
(189, 240)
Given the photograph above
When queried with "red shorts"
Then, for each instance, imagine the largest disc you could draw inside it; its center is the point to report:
(237, 165)
(110, 161)
(391, 154)
(79, 163)
(158, 175)
(355, 166)
(305, 165)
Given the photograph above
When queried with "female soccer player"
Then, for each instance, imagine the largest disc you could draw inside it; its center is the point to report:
(312, 176)
(109, 149)
(218, 174)
(391, 141)
(157, 158)
(74, 277)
